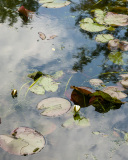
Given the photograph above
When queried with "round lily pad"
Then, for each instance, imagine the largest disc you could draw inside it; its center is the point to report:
(54, 3)
(115, 92)
(96, 82)
(104, 38)
(22, 141)
(37, 89)
(124, 83)
(114, 19)
(54, 106)
(116, 57)
(91, 27)
(99, 16)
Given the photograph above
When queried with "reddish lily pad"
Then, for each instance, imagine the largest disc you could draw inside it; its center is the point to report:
(115, 92)
(124, 76)
(124, 83)
(22, 141)
(124, 45)
(114, 19)
(83, 90)
(114, 44)
(54, 106)
(25, 12)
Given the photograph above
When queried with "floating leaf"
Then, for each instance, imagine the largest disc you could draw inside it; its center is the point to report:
(114, 19)
(42, 35)
(124, 76)
(48, 84)
(83, 90)
(115, 92)
(23, 141)
(123, 45)
(54, 3)
(25, 12)
(80, 122)
(116, 57)
(58, 75)
(54, 106)
(99, 16)
(90, 26)
(114, 44)
(96, 82)
(37, 89)
(104, 38)
(124, 83)
(35, 75)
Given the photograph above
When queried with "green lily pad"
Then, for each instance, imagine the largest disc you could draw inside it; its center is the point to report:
(45, 83)
(38, 89)
(22, 141)
(114, 19)
(54, 106)
(58, 75)
(99, 16)
(104, 38)
(87, 25)
(82, 122)
(116, 57)
(54, 3)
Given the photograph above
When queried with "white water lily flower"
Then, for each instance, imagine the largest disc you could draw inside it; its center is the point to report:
(76, 108)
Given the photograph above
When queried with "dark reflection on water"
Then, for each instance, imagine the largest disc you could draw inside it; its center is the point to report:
(23, 52)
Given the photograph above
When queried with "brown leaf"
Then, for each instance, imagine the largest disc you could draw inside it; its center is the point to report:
(83, 90)
(52, 37)
(42, 35)
(25, 12)
(123, 45)
(113, 44)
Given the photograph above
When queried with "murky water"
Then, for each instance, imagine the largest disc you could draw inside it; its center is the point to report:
(77, 54)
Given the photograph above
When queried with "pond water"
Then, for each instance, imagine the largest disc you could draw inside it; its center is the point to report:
(75, 52)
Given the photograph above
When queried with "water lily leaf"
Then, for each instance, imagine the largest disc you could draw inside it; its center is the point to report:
(116, 57)
(35, 75)
(48, 84)
(114, 19)
(114, 44)
(54, 3)
(42, 35)
(91, 27)
(23, 141)
(124, 76)
(37, 89)
(115, 92)
(99, 16)
(104, 38)
(71, 123)
(54, 106)
(83, 90)
(96, 82)
(58, 75)
(25, 12)
(123, 45)
(105, 96)
(124, 83)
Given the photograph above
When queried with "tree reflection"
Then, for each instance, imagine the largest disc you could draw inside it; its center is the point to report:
(85, 56)
(8, 9)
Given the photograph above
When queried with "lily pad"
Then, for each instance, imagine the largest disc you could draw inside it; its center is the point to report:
(35, 75)
(45, 83)
(99, 16)
(104, 38)
(114, 19)
(54, 106)
(124, 45)
(22, 141)
(124, 83)
(96, 82)
(114, 44)
(116, 57)
(90, 26)
(42, 35)
(115, 92)
(38, 89)
(124, 76)
(54, 3)
(58, 75)
(80, 122)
